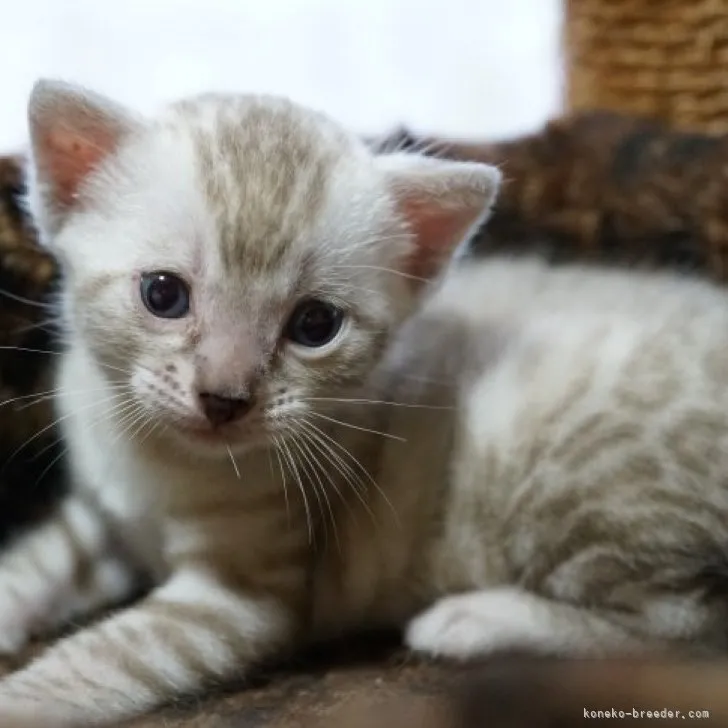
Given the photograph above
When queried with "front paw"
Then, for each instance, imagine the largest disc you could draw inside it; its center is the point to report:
(473, 624)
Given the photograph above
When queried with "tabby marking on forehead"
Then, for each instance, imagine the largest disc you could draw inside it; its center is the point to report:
(265, 169)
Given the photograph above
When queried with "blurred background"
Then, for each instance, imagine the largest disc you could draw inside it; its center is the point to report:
(484, 68)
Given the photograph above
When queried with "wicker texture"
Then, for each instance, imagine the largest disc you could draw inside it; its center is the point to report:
(666, 59)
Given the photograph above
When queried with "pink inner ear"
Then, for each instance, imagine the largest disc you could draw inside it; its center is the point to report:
(437, 229)
(70, 157)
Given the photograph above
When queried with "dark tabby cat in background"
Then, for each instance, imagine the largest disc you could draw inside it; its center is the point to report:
(30, 461)
(604, 187)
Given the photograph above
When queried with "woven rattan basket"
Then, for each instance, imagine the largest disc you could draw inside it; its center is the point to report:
(659, 58)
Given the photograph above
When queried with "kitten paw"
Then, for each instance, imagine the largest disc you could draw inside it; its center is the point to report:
(475, 623)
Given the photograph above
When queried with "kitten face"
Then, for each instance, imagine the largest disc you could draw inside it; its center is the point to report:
(259, 307)
(235, 263)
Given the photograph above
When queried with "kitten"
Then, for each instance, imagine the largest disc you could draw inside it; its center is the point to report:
(272, 416)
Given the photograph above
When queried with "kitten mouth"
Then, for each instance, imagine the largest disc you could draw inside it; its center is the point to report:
(205, 433)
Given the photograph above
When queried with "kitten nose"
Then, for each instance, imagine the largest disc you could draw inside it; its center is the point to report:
(219, 410)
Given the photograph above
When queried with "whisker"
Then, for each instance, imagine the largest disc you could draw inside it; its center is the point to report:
(50, 392)
(133, 415)
(21, 299)
(118, 409)
(383, 238)
(283, 478)
(232, 460)
(294, 471)
(317, 468)
(308, 468)
(312, 438)
(346, 400)
(309, 439)
(388, 435)
(30, 350)
(135, 412)
(113, 368)
(47, 447)
(334, 459)
(51, 425)
(145, 420)
(151, 430)
(49, 325)
(366, 473)
(384, 269)
(351, 477)
(50, 465)
(126, 415)
(44, 398)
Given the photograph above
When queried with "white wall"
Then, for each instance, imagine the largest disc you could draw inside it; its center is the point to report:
(461, 67)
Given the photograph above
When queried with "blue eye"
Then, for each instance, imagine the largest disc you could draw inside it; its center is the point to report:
(314, 323)
(165, 295)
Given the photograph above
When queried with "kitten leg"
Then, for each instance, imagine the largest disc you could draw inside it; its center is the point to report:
(187, 633)
(478, 623)
(59, 570)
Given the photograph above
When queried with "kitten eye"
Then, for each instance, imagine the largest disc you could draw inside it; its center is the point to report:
(165, 294)
(314, 323)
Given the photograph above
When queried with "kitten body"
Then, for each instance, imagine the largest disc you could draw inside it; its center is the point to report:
(524, 458)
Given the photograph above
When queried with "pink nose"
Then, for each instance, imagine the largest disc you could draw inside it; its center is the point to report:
(220, 410)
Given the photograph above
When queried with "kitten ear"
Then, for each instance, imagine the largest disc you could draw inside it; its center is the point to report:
(443, 202)
(72, 132)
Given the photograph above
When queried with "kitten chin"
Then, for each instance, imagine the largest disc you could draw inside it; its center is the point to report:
(205, 442)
